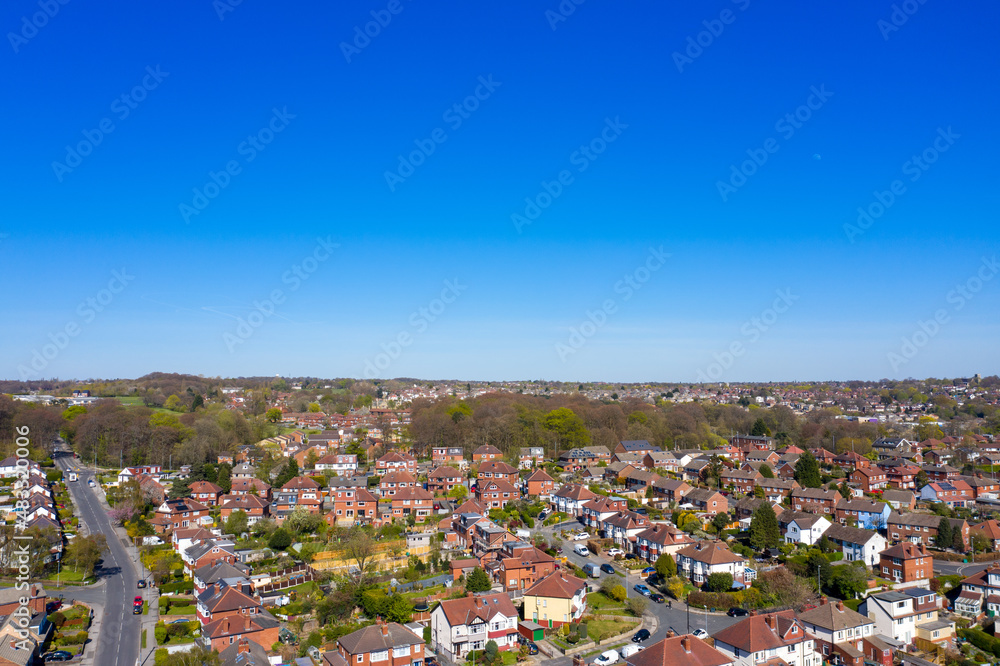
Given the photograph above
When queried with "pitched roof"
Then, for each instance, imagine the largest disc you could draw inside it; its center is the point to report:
(834, 616)
(540, 475)
(398, 476)
(575, 491)
(371, 638)
(679, 651)
(300, 483)
(848, 534)
(905, 551)
(638, 445)
(487, 448)
(409, 493)
(757, 633)
(444, 472)
(466, 610)
(496, 467)
(557, 585)
(713, 552)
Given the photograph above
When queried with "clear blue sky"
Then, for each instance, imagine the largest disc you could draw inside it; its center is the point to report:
(523, 288)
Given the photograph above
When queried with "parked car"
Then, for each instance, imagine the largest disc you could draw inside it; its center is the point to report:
(582, 551)
(657, 597)
(581, 536)
(613, 552)
(607, 568)
(532, 648)
(737, 612)
(141, 584)
(700, 633)
(137, 610)
(607, 658)
(137, 601)
(640, 636)
(631, 556)
(542, 516)
(58, 655)
(642, 589)
(629, 650)
(180, 621)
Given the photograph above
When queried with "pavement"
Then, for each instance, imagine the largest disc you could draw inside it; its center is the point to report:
(118, 631)
(658, 618)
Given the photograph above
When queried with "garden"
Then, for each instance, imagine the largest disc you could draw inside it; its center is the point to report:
(71, 626)
(176, 633)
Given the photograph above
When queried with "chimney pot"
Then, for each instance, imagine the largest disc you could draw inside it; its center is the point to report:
(385, 629)
(686, 643)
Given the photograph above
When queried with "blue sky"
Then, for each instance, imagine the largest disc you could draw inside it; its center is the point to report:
(329, 127)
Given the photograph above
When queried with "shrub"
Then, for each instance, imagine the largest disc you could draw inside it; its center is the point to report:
(573, 638)
(637, 605)
(618, 593)
(160, 633)
(582, 629)
(58, 619)
(81, 637)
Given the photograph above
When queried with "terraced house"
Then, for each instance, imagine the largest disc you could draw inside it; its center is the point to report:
(443, 480)
(496, 493)
(707, 501)
(777, 490)
(870, 478)
(599, 508)
(922, 527)
(659, 539)
(955, 493)
(815, 500)
(740, 480)
(863, 513)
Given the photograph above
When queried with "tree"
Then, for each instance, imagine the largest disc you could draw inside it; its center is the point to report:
(944, 537)
(314, 407)
(197, 402)
(459, 492)
(957, 540)
(980, 543)
(478, 581)
(921, 479)
(758, 492)
(311, 459)
(848, 580)
(665, 566)
(636, 605)
(290, 471)
(280, 539)
(766, 471)
(237, 523)
(361, 550)
(491, 652)
(764, 530)
(760, 429)
(84, 552)
(273, 415)
(568, 429)
(179, 488)
(301, 521)
(225, 478)
(720, 521)
(807, 471)
(720, 581)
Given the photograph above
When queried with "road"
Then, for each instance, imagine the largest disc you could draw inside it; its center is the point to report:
(678, 617)
(118, 643)
(959, 569)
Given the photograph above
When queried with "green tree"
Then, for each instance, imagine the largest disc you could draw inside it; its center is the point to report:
(478, 581)
(225, 478)
(957, 540)
(273, 415)
(314, 407)
(237, 523)
(197, 402)
(491, 652)
(459, 492)
(807, 471)
(290, 471)
(665, 566)
(720, 581)
(944, 537)
(921, 479)
(758, 492)
(764, 530)
(848, 580)
(766, 471)
(280, 539)
(179, 488)
(760, 429)
(720, 521)
(568, 428)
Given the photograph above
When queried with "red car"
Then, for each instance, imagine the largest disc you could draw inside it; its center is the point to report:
(137, 601)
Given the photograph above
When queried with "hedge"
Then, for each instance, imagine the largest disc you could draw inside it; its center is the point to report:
(981, 640)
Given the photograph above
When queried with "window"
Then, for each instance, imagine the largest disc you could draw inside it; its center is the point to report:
(401, 651)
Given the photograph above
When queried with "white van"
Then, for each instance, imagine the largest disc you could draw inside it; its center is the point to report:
(522, 533)
(581, 550)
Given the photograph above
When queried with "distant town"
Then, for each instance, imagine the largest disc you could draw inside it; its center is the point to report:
(181, 519)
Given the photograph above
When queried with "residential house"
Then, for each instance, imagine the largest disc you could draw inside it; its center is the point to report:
(221, 570)
(708, 501)
(339, 464)
(555, 600)
(685, 650)
(740, 480)
(486, 452)
(857, 543)
(989, 529)
(255, 507)
(382, 643)
(178, 513)
(769, 638)
(906, 563)
(523, 566)
(703, 558)
(955, 493)
(863, 513)
(870, 479)
(443, 480)
(983, 487)
(394, 460)
(576, 459)
(570, 499)
(659, 539)
(352, 506)
(839, 632)
(206, 492)
(900, 475)
(207, 553)
(769, 458)
(459, 626)
(394, 481)
(244, 471)
(635, 446)
(449, 455)
(623, 528)
(529, 456)
(665, 460)
(222, 600)
(497, 470)
(412, 501)
(777, 490)
(251, 487)
(261, 629)
(599, 508)
(906, 615)
(806, 528)
(815, 500)
(900, 499)
(670, 490)
(539, 483)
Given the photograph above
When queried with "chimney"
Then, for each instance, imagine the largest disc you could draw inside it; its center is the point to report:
(840, 605)
(385, 629)
(577, 660)
(671, 633)
(772, 621)
(13, 644)
(686, 643)
(823, 601)
(246, 624)
(243, 647)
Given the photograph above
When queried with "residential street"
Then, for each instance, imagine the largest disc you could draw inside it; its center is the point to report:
(662, 615)
(118, 640)
(958, 568)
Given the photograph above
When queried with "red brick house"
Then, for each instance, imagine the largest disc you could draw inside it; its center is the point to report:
(447, 455)
(262, 629)
(222, 600)
(524, 567)
(869, 478)
(906, 562)
(412, 501)
(486, 452)
(540, 483)
(206, 492)
(352, 506)
(741, 480)
(497, 469)
(255, 507)
(394, 460)
(207, 553)
(815, 500)
(177, 513)
(380, 644)
(251, 487)
(443, 480)
(495, 493)
(394, 481)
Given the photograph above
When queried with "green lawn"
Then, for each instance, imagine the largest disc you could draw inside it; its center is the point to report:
(419, 594)
(70, 576)
(598, 630)
(181, 610)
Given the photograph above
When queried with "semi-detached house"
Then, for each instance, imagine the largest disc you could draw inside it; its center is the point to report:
(772, 639)
(459, 626)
